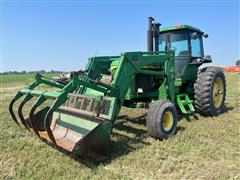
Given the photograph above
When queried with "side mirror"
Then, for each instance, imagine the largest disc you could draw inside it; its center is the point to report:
(205, 35)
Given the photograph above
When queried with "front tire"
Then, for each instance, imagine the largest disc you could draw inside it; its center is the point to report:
(162, 120)
(210, 91)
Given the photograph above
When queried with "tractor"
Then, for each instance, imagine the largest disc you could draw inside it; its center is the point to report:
(79, 114)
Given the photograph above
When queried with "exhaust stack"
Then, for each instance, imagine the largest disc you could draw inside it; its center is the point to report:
(150, 34)
(153, 33)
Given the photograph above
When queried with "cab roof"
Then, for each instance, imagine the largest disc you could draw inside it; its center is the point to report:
(178, 27)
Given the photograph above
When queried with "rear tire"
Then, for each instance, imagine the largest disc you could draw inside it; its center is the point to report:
(210, 91)
(162, 120)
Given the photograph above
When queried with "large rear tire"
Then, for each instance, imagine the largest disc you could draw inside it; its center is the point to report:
(162, 119)
(210, 91)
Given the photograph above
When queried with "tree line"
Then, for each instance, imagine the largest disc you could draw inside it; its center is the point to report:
(32, 72)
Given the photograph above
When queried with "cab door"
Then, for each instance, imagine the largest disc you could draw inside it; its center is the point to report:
(179, 42)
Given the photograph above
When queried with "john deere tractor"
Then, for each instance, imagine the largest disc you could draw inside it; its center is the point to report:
(79, 115)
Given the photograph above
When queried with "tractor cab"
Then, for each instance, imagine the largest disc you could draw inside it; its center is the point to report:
(185, 40)
(187, 43)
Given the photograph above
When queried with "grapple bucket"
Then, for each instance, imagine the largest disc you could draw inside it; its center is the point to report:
(82, 126)
(77, 123)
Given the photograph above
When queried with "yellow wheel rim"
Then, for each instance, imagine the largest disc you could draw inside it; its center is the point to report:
(167, 120)
(218, 92)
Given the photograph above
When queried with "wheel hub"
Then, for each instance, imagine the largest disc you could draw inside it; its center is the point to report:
(167, 120)
(217, 94)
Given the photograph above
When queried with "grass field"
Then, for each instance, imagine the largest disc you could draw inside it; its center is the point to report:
(203, 148)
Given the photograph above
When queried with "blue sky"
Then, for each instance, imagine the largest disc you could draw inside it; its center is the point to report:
(61, 35)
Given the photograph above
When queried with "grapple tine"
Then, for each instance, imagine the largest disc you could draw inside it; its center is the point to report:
(27, 98)
(32, 121)
(17, 96)
(47, 124)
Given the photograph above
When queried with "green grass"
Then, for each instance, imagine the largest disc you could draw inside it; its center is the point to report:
(203, 148)
(25, 78)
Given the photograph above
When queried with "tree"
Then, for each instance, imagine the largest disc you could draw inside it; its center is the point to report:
(238, 62)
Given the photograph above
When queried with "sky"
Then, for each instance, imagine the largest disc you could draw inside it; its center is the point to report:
(61, 35)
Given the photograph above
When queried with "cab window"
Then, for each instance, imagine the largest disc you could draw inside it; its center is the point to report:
(179, 43)
(162, 42)
(196, 46)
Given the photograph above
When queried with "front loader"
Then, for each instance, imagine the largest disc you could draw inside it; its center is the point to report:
(79, 114)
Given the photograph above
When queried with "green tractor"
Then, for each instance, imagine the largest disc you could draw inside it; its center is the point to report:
(79, 115)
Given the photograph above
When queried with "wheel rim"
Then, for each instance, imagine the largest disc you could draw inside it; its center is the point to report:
(167, 120)
(218, 92)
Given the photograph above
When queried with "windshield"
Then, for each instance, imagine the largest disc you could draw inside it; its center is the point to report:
(179, 43)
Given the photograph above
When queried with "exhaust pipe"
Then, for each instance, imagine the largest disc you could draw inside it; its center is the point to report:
(150, 34)
(153, 33)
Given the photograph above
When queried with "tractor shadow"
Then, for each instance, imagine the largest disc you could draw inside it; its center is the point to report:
(129, 135)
